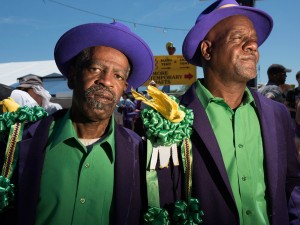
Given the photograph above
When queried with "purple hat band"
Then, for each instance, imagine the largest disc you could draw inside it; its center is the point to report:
(115, 35)
(212, 15)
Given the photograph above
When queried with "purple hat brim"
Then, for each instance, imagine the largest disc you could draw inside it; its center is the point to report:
(110, 35)
(262, 23)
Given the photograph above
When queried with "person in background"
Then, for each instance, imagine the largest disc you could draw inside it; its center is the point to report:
(293, 96)
(78, 166)
(118, 113)
(127, 108)
(30, 92)
(277, 77)
(245, 168)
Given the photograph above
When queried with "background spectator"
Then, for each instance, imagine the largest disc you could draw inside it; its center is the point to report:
(292, 96)
(31, 92)
(277, 76)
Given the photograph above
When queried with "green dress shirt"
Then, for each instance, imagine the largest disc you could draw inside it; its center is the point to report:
(77, 184)
(239, 137)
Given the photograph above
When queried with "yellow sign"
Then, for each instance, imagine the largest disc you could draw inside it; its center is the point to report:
(172, 70)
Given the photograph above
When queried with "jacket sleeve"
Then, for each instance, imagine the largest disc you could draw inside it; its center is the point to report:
(293, 174)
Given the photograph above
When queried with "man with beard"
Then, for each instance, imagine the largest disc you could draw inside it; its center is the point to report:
(245, 168)
(78, 166)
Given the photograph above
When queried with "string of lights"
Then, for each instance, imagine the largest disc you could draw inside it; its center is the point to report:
(135, 24)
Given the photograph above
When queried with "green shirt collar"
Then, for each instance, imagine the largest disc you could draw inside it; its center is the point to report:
(67, 131)
(206, 97)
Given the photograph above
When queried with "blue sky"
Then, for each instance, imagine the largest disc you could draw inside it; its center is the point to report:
(30, 29)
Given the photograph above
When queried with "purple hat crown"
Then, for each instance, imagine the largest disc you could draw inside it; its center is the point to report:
(115, 35)
(212, 15)
(217, 5)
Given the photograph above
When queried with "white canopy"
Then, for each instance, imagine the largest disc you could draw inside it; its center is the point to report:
(9, 72)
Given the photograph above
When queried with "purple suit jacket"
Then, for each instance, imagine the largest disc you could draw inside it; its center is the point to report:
(210, 181)
(127, 183)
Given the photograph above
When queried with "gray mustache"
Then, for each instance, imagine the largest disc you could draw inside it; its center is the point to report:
(101, 88)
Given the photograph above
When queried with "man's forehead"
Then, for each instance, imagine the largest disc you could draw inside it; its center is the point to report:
(232, 22)
(235, 19)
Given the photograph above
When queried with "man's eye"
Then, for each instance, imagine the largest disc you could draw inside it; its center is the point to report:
(119, 77)
(236, 37)
(94, 70)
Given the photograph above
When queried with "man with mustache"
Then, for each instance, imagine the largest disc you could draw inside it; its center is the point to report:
(245, 168)
(78, 166)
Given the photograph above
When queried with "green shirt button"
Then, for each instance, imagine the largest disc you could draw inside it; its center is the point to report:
(82, 200)
(244, 178)
(240, 145)
(248, 212)
(87, 165)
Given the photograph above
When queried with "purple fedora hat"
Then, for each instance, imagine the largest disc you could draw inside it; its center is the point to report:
(212, 15)
(115, 35)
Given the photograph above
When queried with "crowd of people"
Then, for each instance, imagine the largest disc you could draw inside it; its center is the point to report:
(277, 90)
(237, 163)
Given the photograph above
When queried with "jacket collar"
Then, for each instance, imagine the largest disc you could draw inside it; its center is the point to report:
(203, 128)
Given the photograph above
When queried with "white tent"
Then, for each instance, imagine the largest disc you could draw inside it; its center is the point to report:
(9, 72)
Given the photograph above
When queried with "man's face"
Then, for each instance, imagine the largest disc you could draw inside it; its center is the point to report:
(281, 77)
(103, 80)
(234, 50)
(36, 97)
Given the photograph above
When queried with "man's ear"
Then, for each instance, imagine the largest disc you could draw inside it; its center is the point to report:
(71, 78)
(205, 48)
(70, 84)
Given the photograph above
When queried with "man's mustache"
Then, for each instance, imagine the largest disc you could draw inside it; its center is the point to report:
(95, 88)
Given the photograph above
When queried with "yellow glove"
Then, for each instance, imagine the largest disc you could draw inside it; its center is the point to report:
(9, 105)
(162, 103)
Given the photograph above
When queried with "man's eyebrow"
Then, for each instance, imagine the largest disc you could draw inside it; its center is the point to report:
(102, 64)
(96, 62)
(125, 71)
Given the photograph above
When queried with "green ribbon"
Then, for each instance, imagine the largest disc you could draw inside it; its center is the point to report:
(23, 114)
(164, 132)
(185, 214)
(156, 216)
(12, 123)
(152, 180)
(7, 194)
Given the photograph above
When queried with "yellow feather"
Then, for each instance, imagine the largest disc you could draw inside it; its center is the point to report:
(9, 105)
(162, 103)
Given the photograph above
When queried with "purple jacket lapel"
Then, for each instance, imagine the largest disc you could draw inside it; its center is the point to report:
(32, 153)
(267, 120)
(204, 130)
(127, 186)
